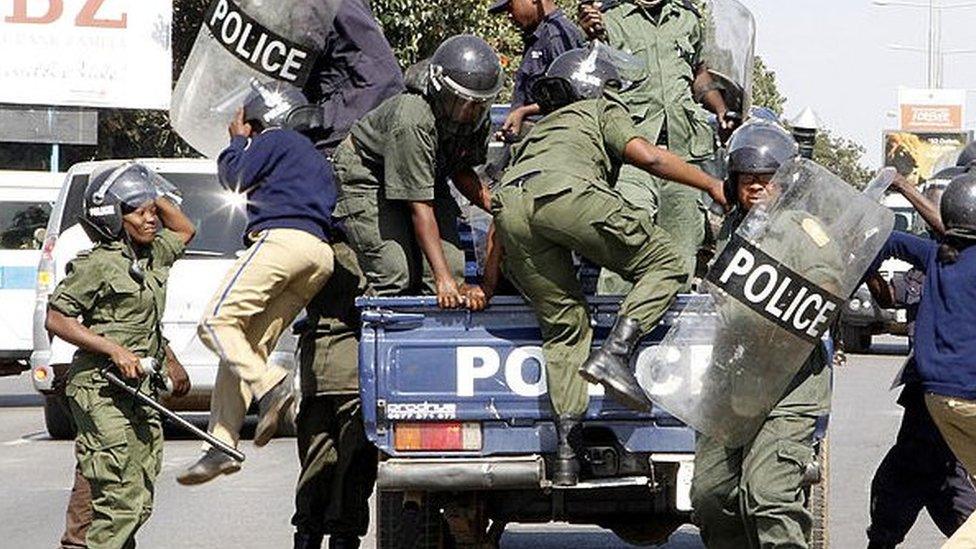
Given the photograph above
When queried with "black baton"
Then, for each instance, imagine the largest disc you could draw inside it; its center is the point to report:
(233, 453)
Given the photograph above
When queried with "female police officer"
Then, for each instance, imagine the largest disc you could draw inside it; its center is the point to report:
(118, 291)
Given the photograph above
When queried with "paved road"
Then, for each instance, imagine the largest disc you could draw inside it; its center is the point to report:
(252, 509)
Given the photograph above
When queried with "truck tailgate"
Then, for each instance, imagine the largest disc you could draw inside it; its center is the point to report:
(422, 364)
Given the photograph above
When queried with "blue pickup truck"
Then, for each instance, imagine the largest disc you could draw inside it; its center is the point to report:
(456, 403)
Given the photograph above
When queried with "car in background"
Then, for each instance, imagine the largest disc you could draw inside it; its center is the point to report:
(26, 201)
(219, 216)
(862, 316)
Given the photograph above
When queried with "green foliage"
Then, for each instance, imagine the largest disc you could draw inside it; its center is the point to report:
(765, 93)
(842, 157)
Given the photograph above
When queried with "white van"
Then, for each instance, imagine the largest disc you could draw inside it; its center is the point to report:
(219, 217)
(26, 201)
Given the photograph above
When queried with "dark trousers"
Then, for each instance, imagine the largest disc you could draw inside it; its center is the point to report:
(78, 517)
(338, 467)
(919, 471)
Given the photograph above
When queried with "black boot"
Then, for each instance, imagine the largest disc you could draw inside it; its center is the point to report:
(610, 365)
(343, 541)
(569, 431)
(304, 540)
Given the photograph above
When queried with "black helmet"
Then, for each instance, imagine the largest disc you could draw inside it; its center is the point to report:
(276, 104)
(958, 206)
(968, 156)
(114, 191)
(758, 147)
(577, 74)
(464, 78)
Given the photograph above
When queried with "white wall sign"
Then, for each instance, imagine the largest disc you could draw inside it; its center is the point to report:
(93, 53)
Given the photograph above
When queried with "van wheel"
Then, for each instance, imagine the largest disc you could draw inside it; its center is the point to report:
(856, 340)
(410, 524)
(57, 417)
(817, 500)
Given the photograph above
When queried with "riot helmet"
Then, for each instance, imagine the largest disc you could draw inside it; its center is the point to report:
(464, 77)
(759, 147)
(276, 104)
(114, 191)
(968, 156)
(958, 208)
(577, 74)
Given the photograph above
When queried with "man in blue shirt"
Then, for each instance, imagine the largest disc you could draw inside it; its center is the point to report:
(945, 330)
(291, 192)
(547, 34)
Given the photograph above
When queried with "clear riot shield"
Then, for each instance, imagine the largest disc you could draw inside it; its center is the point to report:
(772, 295)
(729, 51)
(243, 41)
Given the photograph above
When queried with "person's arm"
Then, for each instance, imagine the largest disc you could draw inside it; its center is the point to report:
(907, 247)
(512, 127)
(924, 206)
(880, 290)
(175, 220)
(176, 372)
(664, 164)
(708, 95)
(429, 238)
(469, 184)
(590, 16)
(75, 333)
(245, 162)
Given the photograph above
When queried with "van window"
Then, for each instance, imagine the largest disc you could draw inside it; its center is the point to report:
(217, 213)
(19, 221)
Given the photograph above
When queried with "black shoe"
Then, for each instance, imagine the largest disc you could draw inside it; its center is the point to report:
(569, 431)
(610, 365)
(304, 540)
(271, 408)
(211, 464)
(341, 541)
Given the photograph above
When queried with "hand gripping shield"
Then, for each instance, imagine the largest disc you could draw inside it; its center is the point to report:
(772, 295)
(729, 51)
(243, 41)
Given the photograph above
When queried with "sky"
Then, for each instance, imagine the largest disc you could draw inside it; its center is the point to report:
(833, 56)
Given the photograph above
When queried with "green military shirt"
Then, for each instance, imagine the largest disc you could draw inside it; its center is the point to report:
(592, 150)
(670, 46)
(398, 150)
(99, 288)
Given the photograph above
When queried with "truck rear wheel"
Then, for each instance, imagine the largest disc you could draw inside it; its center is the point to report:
(57, 417)
(410, 524)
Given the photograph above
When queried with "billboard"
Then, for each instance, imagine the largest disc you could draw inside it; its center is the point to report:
(918, 156)
(932, 110)
(92, 53)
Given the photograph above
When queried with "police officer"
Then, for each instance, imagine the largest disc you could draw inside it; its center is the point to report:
(546, 34)
(556, 198)
(752, 496)
(356, 70)
(118, 290)
(395, 204)
(919, 471)
(338, 463)
(666, 36)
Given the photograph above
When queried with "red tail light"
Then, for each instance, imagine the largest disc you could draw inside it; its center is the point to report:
(435, 436)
